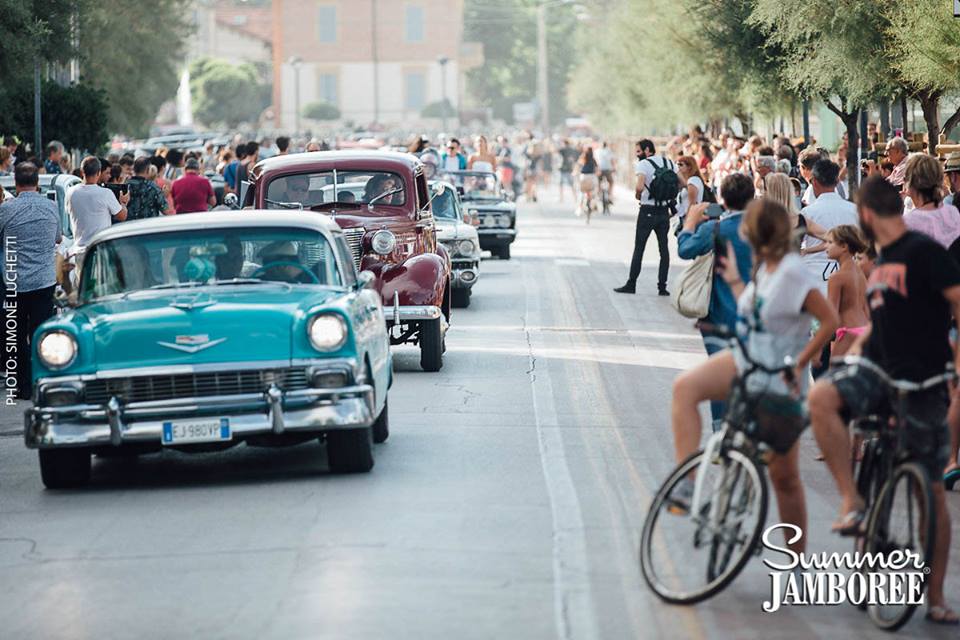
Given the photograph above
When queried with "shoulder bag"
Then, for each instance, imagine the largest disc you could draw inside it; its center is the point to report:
(691, 295)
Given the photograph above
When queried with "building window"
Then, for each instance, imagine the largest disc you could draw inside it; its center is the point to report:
(414, 23)
(327, 24)
(327, 88)
(415, 87)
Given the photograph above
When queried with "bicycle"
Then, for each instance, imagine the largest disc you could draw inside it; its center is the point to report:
(884, 466)
(587, 205)
(605, 196)
(728, 508)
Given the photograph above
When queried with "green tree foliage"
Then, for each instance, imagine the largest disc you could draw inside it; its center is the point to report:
(226, 94)
(321, 110)
(133, 51)
(74, 115)
(508, 31)
(30, 29)
(926, 55)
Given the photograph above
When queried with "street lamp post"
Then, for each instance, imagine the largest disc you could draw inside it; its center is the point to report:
(295, 63)
(442, 61)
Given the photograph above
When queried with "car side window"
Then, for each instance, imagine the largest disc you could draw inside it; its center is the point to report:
(346, 259)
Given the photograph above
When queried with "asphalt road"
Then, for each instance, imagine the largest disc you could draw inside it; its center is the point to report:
(506, 504)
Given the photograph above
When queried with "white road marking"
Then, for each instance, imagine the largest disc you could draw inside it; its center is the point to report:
(574, 614)
(571, 262)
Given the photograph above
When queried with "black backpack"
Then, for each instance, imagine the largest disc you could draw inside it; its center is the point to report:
(665, 185)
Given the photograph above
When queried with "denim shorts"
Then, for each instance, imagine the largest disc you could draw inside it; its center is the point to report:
(928, 438)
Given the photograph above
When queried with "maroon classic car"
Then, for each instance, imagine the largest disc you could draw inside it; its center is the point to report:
(382, 203)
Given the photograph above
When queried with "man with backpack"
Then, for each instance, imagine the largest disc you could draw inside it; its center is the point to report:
(657, 187)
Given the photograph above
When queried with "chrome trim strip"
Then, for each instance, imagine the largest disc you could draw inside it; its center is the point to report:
(176, 369)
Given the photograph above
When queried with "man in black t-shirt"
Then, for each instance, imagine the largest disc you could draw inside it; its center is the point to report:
(912, 292)
(568, 159)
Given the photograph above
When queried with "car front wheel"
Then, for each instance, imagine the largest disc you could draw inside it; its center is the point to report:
(431, 345)
(381, 428)
(350, 450)
(460, 298)
(64, 468)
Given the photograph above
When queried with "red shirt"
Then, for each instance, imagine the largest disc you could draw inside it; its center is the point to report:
(191, 192)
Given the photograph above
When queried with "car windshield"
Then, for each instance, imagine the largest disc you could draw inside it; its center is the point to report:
(477, 186)
(445, 205)
(351, 187)
(208, 257)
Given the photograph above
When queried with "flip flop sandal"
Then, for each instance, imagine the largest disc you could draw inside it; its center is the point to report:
(950, 478)
(851, 524)
(942, 615)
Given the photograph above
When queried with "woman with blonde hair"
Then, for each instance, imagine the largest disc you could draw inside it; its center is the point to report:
(777, 310)
(780, 188)
(482, 159)
(923, 182)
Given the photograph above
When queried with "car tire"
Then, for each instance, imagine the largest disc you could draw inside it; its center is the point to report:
(350, 450)
(461, 298)
(381, 427)
(504, 252)
(431, 345)
(64, 468)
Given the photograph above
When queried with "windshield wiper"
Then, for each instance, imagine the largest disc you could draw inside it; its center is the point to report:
(285, 205)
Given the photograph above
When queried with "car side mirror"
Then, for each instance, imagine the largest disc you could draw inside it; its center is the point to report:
(231, 200)
(460, 190)
(365, 280)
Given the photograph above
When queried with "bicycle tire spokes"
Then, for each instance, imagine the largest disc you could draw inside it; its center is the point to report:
(730, 512)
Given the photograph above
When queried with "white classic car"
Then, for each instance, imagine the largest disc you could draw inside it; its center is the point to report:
(459, 237)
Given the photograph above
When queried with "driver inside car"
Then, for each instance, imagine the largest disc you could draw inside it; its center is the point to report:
(381, 184)
(281, 263)
(297, 189)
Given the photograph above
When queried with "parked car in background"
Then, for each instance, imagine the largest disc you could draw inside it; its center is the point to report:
(201, 332)
(460, 238)
(483, 194)
(382, 203)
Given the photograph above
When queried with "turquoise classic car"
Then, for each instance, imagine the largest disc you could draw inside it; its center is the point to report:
(198, 332)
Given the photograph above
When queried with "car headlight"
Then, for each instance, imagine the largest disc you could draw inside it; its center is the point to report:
(465, 247)
(327, 332)
(57, 349)
(383, 242)
(503, 221)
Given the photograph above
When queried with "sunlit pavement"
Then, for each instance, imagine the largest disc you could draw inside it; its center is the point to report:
(506, 504)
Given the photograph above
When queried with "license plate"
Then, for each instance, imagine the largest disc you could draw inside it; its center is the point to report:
(187, 431)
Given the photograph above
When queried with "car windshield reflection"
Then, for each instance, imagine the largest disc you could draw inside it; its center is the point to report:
(350, 188)
(209, 257)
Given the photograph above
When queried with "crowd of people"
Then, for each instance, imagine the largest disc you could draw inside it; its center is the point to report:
(804, 272)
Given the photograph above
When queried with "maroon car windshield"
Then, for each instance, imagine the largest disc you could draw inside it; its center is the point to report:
(308, 190)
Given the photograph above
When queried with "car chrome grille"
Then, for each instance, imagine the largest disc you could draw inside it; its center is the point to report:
(354, 238)
(194, 385)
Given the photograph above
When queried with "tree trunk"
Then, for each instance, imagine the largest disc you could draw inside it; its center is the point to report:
(930, 104)
(884, 119)
(904, 114)
(852, 122)
(951, 123)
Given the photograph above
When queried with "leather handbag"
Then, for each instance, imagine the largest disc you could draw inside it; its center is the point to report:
(691, 295)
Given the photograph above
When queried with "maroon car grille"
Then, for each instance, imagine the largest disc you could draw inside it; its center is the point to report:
(354, 238)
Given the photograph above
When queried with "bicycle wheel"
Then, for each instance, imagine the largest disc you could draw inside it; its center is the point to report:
(901, 519)
(715, 543)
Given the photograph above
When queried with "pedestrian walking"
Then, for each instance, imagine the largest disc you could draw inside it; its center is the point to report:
(93, 208)
(147, 199)
(29, 232)
(897, 152)
(657, 187)
(568, 161)
(192, 192)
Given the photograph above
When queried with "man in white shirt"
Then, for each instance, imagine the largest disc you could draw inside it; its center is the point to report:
(606, 166)
(653, 217)
(829, 210)
(93, 208)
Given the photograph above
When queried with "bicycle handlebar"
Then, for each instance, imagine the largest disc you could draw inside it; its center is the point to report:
(903, 386)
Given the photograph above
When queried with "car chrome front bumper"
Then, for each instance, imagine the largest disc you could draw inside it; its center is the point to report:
(496, 237)
(273, 411)
(398, 314)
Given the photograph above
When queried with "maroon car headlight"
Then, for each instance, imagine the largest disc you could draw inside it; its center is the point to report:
(383, 242)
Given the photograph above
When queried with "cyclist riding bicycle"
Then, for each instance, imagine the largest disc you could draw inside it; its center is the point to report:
(776, 310)
(912, 291)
